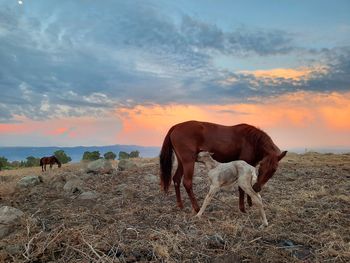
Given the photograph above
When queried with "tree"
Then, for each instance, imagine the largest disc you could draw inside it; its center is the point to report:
(110, 155)
(91, 156)
(134, 154)
(3, 162)
(123, 155)
(32, 161)
(62, 156)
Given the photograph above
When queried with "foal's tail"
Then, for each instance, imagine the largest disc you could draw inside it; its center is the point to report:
(166, 162)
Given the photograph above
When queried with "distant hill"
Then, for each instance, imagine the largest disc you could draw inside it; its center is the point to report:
(337, 150)
(76, 153)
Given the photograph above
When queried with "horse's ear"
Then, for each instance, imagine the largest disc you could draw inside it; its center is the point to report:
(282, 155)
(211, 154)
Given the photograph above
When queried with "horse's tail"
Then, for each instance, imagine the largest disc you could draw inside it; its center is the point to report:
(166, 162)
(41, 162)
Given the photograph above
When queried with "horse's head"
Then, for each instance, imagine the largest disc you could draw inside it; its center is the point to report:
(58, 162)
(268, 167)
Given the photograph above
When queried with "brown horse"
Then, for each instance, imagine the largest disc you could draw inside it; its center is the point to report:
(49, 160)
(228, 143)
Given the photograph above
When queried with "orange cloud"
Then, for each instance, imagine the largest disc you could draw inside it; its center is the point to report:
(58, 131)
(293, 120)
(286, 73)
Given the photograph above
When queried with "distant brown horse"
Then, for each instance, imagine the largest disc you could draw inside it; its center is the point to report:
(49, 160)
(227, 143)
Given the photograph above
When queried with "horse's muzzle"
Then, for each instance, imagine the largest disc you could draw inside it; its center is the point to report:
(256, 188)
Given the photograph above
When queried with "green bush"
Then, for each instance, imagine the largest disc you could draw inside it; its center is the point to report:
(32, 161)
(91, 156)
(110, 156)
(62, 156)
(3, 162)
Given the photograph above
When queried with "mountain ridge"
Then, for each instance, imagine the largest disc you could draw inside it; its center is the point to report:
(18, 153)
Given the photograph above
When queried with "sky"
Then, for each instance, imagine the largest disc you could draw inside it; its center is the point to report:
(108, 72)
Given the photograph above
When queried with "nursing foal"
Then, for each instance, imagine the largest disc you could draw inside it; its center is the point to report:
(226, 175)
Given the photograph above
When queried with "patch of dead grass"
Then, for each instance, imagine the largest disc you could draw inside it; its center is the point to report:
(133, 220)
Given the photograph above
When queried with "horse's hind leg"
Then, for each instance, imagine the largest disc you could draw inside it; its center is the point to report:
(188, 168)
(177, 181)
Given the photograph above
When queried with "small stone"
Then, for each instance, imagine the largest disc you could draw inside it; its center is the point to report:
(89, 195)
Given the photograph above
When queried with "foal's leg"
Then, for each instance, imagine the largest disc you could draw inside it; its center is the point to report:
(256, 199)
(210, 195)
(177, 181)
(188, 167)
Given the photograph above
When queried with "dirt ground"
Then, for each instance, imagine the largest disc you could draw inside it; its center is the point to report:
(307, 204)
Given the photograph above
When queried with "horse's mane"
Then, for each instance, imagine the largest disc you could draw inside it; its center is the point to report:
(258, 138)
(55, 158)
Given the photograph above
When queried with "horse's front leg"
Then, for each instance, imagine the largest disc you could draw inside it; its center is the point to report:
(241, 199)
(177, 181)
(188, 168)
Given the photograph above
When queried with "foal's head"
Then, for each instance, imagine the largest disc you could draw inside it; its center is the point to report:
(268, 167)
(204, 157)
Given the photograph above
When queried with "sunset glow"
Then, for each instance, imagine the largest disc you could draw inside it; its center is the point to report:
(292, 114)
(126, 71)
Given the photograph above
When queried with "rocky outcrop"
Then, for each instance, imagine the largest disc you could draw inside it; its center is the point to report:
(100, 166)
(30, 180)
(126, 164)
(9, 220)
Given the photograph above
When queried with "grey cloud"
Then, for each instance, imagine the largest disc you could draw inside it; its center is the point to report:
(65, 58)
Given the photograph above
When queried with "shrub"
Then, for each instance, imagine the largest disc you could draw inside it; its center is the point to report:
(62, 156)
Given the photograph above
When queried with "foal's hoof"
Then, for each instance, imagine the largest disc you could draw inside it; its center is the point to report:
(263, 226)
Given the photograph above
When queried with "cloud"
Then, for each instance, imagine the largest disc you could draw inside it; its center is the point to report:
(301, 119)
(66, 59)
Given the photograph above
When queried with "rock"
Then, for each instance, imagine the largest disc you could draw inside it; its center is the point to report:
(73, 186)
(89, 195)
(14, 249)
(9, 218)
(30, 180)
(125, 190)
(152, 178)
(215, 241)
(121, 187)
(126, 164)
(100, 166)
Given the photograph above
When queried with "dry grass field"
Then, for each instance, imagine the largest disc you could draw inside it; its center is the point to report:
(307, 204)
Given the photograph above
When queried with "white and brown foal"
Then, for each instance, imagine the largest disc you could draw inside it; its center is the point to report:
(225, 176)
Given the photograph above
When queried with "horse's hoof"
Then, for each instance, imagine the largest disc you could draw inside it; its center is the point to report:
(242, 210)
(180, 205)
